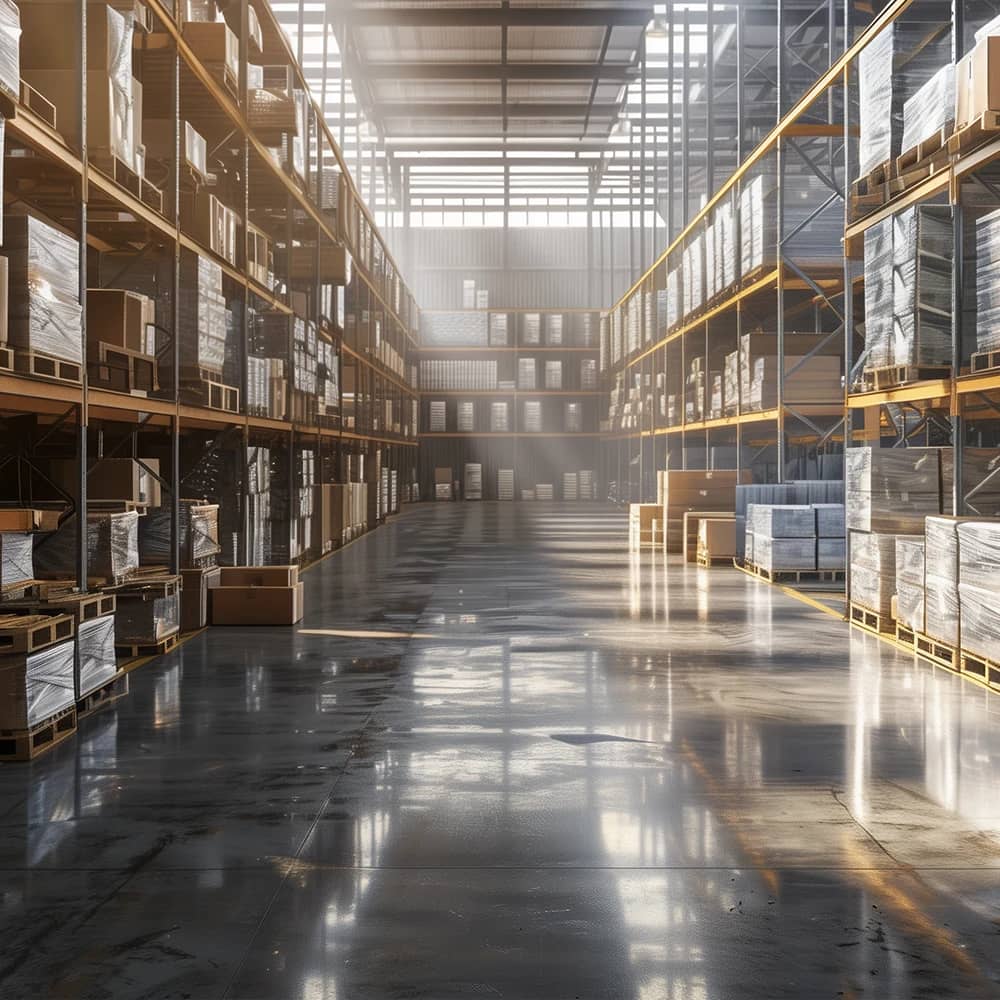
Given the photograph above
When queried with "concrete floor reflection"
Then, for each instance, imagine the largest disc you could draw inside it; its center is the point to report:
(516, 762)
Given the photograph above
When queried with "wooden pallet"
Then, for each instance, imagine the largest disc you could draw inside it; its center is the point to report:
(896, 375)
(870, 620)
(981, 668)
(117, 507)
(19, 587)
(159, 585)
(984, 361)
(924, 150)
(132, 651)
(707, 562)
(906, 636)
(109, 692)
(937, 652)
(24, 633)
(122, 370)
(124, 176)
(82, 607)
(975, 133)
(38, 105)
(213, 395)
(797, 575)
(16, 744)
(42, 366)
(920, 172)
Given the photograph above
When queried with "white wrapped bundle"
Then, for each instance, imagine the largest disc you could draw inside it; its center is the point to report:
(830, 520)
(978, 587)
(831, 553)
(784, 521)
(95, 652)
(892, 489)
(941, 579)
(931, 109)
(784, 554)
(873, 570)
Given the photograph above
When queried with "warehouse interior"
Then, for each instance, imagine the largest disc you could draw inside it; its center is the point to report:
(499, 498)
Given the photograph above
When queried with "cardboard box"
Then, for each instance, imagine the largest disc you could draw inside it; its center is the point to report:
(213, 42)
(443, 476)
(194, 596)
(257, 605)
(122, 319)
(643, 533)
(334, 263)
(259, 576)
(977, 82)
(20, 519)
(112, 479)
(717, 538)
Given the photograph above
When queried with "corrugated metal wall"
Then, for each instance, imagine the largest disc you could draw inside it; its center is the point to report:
(527, 268)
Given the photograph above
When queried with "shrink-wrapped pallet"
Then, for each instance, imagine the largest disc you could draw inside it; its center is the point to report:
(831, 553)
(988, 282)
(95, 654)
(922, 250)
(146, 619)
(892, 489)
(16, 558)
(198, 537)
(931, 109)
(112, 547)
(10, 47)
(941, 579)
(675, 304)
(873, 570)
(35, 687)
(784, 521)
(784, 554)
(879, 294)
(910, 581)
(830, 520)
(45, 315)
(201, 336)
(979, 587)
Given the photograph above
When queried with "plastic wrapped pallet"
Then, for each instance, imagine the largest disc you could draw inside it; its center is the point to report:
(892, 489)
(45, 315)
(988, 282)
(879, 294)
(931, 109)
(910, 581)
(978, 587)
(941, 579)
(95, 652)
(922, 251)
(198, 533)
(875, 89)
(758, 232)
(873, 570)
(784, 521)
(202, 333)
(35, 687)
(16, 558)
(831, 553)
(784, 554)
(674, 295)
(10, 48)
(830, 520)
(146, 619)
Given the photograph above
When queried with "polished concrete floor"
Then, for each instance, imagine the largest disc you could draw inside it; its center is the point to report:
(500, 759)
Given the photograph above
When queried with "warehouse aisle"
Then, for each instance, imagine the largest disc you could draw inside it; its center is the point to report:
(500, 760)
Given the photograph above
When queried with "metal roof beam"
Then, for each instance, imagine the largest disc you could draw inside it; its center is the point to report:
(612, 73)
(405, 109)
(495, 17)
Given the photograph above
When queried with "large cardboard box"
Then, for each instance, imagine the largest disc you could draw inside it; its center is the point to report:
(334, 264)
(259, 576)
(112, 479)
(977, 81)
(194, 596)
(646, 523)
(257, 605)
(20, 519)
(717, 538)
(213, 42)
(122, 319)
(443, 476)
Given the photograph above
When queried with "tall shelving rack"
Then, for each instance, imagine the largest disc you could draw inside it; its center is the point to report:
(373, 335)
(534, 455)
